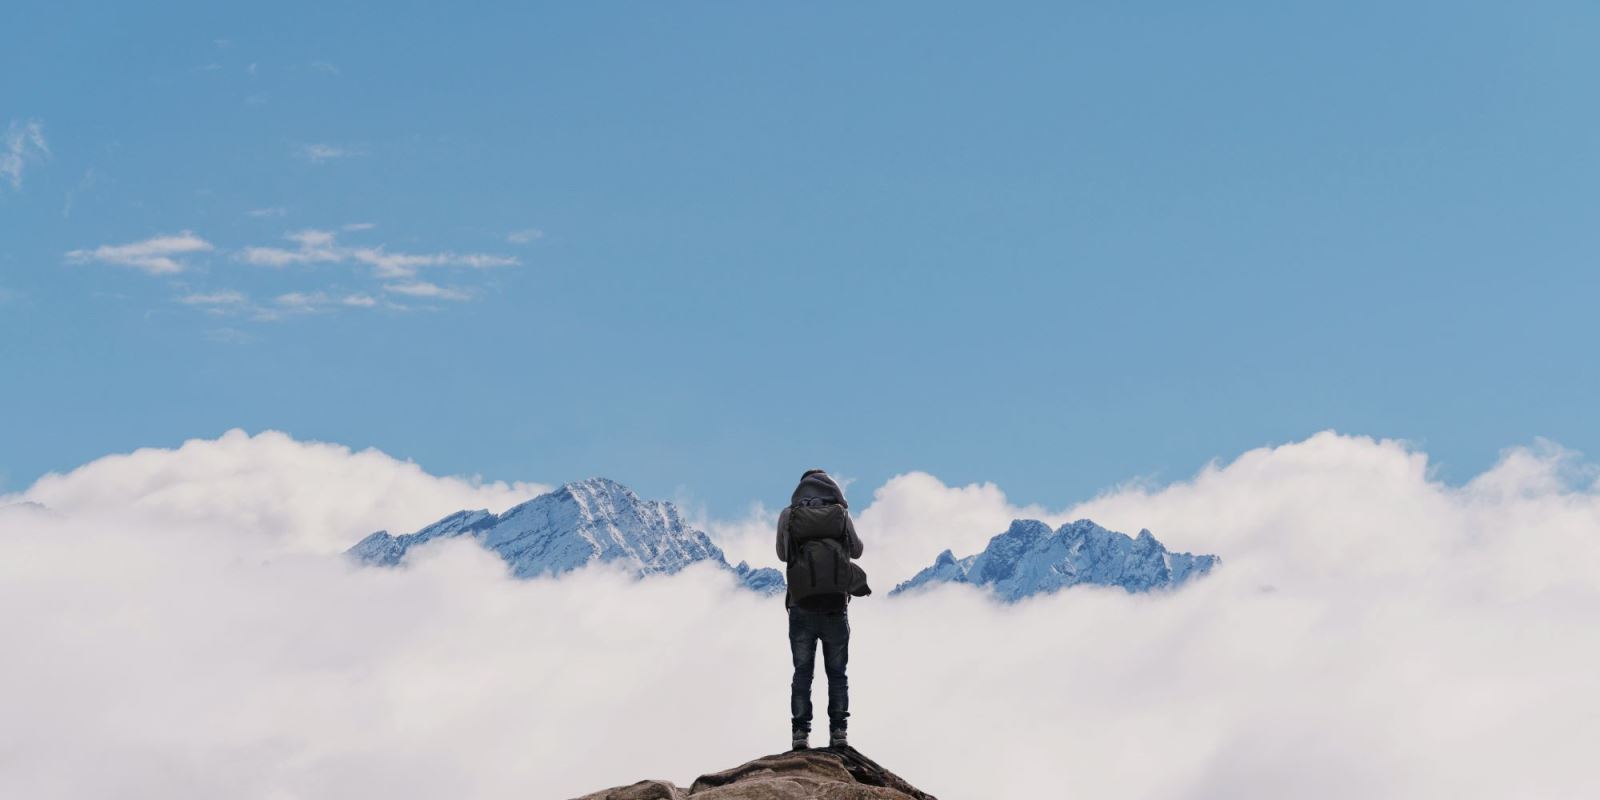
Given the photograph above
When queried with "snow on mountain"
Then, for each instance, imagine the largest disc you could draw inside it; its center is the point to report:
(582, 522)
(1030, 559)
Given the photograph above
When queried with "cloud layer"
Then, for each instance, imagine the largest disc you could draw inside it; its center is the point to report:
(268, 490)
(1373, 633)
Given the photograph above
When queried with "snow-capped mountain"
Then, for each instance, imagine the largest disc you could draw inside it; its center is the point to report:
(582, 522)
(1030, 559)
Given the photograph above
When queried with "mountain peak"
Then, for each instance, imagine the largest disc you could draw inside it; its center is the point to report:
(597, 487)
(582, 522)
(1029, 559)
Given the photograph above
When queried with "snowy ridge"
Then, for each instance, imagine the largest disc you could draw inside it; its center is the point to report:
(1030, 559)
(582, 522)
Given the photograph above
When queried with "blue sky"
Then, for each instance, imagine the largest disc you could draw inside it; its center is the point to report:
(700, 247)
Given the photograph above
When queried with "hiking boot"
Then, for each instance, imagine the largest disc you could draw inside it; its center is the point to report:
(799, 740)
(836, 738)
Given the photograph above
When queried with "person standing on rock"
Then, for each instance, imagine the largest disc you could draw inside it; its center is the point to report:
(817, 539)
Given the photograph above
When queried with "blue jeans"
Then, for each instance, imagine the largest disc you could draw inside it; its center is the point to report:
(806, 628)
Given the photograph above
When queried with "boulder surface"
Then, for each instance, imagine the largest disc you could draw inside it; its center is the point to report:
(824, 773)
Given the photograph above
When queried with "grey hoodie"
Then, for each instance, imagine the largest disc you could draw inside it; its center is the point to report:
(817, 484)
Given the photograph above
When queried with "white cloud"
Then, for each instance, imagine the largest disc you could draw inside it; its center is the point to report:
(304, 496)
(425, 289)
(915, 516)
(312, 239)
(746, 539)
(320, 246)
(325, 66)
(1418, 640)
(476, 260)
(404, 265)
(392, 265)
(229, 336)
(271, 256)
(525, 236)
(319, 152)
(23, 144)
(274, 211)
(224, 297)
(308, 302)
(158, 255)
(358, 226)
(314, 247)
(302, 299)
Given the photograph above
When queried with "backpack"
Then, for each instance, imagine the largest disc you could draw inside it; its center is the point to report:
(818, 562)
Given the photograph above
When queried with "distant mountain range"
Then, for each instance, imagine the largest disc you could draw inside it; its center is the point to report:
(596, 520)
(600, 520)
(1030, 559)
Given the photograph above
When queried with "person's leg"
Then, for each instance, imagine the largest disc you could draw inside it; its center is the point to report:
(835, 634)
(803, 647)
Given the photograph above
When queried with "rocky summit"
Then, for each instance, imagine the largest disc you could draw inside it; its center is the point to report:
(828, 773)
(594, 520)
(1030, 559)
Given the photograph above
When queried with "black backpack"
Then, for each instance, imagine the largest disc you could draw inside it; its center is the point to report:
(819, 564)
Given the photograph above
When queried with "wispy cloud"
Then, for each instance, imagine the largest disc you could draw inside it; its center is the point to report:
(358, 226)
(325, 67)
(320, 300)
(274, 211)
(314, 246)
(23, 144)
(85, 184)
(229, 336)
(319, 152)
(404, 265)
(394, 274)
(303, 301)
(219, 298)
(321, 246)
(157, 255)
(428, 290)
(525, 236)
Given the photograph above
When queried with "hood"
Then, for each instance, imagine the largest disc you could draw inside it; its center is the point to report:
(816, 483)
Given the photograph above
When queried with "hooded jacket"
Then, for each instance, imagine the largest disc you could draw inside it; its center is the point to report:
(815, 483)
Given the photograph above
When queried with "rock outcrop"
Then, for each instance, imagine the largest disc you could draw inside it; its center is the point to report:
(827, 773)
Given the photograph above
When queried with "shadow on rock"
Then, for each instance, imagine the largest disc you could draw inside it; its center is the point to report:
(826, 773)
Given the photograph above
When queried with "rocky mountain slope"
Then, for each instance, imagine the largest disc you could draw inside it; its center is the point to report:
(595, 520)
(1030, 559)
(830, 773)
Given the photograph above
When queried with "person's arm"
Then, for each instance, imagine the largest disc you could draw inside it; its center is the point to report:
(783, 535)
(850, 536)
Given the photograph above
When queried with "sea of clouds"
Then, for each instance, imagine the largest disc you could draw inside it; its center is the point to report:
(180, 624)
